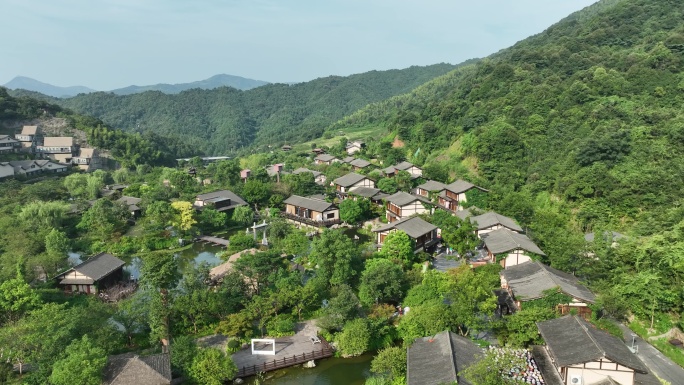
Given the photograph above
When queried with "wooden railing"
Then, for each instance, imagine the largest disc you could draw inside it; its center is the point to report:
(296, 359)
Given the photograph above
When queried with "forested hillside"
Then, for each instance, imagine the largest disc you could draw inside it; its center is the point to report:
(226, 119)
(579, 128)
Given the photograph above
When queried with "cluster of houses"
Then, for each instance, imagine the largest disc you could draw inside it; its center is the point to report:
(55, 153)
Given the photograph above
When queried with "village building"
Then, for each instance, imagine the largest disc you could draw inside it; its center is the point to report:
(131, 369)
(430, 189)
(245, 174)
(222, 200)
(132, 203)
(355, 146)
(276, 169)
(286, 148)
(7, 144)
(423, 234)
(311, 212)
(374, 194)
(454, 194)
(347, 182)
(416, 172)
(488, 222)
(403, 205)
(359, 164)
(576, 352)
(530, 280)
(87, 159)
(24, 168)
(348, 159)
(28, 138)
(59, 148)
(92, 276)
(612, 238)
(319, 177)
(318, 151)
(326, 159)
(441, 359)
(510, 247)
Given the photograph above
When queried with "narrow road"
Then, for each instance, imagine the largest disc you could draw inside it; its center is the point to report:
(660, 365)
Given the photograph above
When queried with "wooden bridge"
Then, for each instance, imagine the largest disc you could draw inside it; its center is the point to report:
(325, 352)
(213, 240)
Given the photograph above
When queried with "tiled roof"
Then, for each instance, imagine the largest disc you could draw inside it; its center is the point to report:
(491, 218)
(504, 240)
(348, 159)
(302, 170)
(459, 186)
(129, 200)
(440, 359)
(309, 203)
(234, 199)
(529, 280)
(403, 166)
(349, 180)
(403, 198)
(29, 130)
(366, 192)
(95, 268)
(361, 163)
(415, 227)
(572, 340)
(58, 141)
(432, 185)
(325, 157)
(130, 369)
(613, 235)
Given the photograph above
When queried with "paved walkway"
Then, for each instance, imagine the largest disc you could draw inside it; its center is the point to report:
(660, 365)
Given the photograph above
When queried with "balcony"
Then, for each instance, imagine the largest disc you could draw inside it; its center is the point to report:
(311, 222)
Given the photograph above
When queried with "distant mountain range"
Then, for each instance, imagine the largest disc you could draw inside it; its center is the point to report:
(24, 83)
(238, 82)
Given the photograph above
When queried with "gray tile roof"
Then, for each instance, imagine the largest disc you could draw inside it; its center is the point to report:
(234, 199)
(95, 268)
(350, 179)
(545, 366)
(325, 157)
(309, 203)
(302, 170)
(459, 186)
(440, 360)
(464, 213)
(129, 200)
(432, 185)
(504, 240)
(348, 159)
(572, 340)
(130, 369)
(403, 166)
(361, 163)
(413, 226)
(491, 218)
(366, 192)
(403, 198)
(530, 279)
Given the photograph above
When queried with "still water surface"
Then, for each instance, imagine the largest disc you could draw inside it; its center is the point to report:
(331, 371)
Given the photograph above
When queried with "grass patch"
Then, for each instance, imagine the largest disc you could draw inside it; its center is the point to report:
(672, 352)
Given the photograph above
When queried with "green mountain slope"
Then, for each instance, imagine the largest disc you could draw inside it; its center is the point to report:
(226, 119)
(590, 110)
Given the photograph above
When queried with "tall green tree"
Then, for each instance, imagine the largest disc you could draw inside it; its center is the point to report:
(83, 364)
(381, 281)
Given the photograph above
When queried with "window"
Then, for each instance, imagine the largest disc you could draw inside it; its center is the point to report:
(330, 216)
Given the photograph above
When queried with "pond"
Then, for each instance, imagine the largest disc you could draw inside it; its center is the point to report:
(331, 371)
(190, 257)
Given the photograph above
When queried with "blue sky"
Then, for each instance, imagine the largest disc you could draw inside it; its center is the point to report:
(107, 44)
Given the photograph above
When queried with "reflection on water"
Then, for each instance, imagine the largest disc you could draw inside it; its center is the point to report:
(331, 371)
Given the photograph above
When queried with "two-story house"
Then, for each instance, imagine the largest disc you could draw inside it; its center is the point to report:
(491, 221)
(415, 171)
(530, 280)
(347, 182)
(577, 353)
(310, 212)
(326, 159)
(403, 205)
(87, 159)
(423, 234)
(59, 148)
(31, 167)
(223, 200)
(359, 164)
(374, 194)
(355, 146)
(319, 177)
(7, 144)
(454, 194)
(28, 137)
(510, 247)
